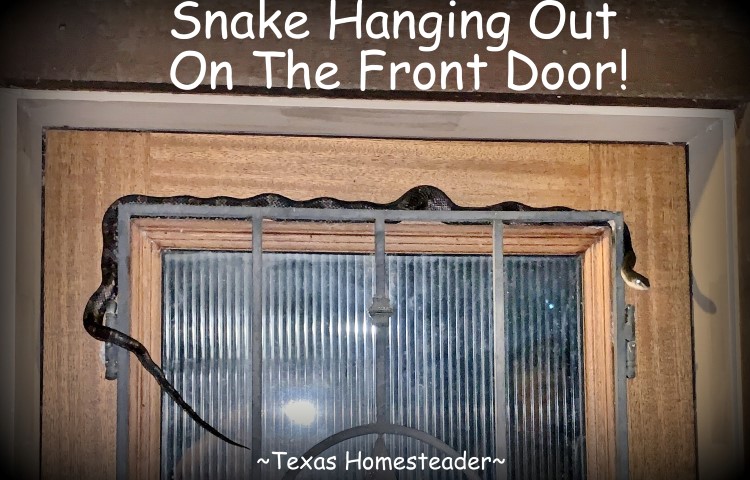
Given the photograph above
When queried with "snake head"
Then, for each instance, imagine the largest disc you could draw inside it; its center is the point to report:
(632, 278)
(639, 282)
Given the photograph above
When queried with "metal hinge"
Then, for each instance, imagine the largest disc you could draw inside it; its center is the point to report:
(630, 347)
(110, 349)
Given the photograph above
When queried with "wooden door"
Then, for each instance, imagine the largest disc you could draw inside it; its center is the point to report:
(85, 171)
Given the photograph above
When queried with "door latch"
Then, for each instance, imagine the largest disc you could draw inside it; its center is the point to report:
(630, 347)
(110, 349)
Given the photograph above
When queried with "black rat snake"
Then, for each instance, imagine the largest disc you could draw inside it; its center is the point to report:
(418, 198)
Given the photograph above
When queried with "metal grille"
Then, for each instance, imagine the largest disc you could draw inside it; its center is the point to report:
(421, 204)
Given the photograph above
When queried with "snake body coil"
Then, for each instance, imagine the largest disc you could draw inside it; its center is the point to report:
(418, 198)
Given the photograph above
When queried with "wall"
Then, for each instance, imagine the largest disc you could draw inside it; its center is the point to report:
(743, 206)
(709, 155)
(691, 52)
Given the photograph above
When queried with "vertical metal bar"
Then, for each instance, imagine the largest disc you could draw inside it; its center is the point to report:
(382, 362)
(380, 266)
(257, 344)
(621, 393)
(123, 360)
(498, 291)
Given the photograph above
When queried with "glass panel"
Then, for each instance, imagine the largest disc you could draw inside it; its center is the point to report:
(319, 360)
(543, 312)
(318, 355)
(318, 351)
(206, 355)
(441, 356)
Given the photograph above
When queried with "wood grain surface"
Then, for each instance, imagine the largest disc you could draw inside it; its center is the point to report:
(85, 171)
(649, 185)
(405, 237)
(598, 354)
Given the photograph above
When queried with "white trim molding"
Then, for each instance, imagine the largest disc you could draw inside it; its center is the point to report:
(709, 135)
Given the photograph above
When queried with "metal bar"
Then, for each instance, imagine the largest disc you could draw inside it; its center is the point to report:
(498, 291)
(380, 266)
(380, 311)
(620, 348)
(344, 214)
(123, 361)
(630, 346)
(257, 345)
(111, 351)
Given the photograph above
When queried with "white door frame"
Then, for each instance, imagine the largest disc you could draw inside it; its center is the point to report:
(709, 135)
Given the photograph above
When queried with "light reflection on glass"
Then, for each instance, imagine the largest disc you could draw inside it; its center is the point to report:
(300, 412)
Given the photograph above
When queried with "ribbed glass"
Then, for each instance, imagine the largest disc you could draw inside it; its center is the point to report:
(441, 355)
(318, 353)
(543, 312)
(319, 359)
(207, 298)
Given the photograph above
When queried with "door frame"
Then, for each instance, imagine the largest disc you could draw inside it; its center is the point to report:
(708, 134)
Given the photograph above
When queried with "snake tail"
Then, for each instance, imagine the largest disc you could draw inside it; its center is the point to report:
(135, 347)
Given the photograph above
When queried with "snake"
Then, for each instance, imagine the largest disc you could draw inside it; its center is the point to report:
(426, 198)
